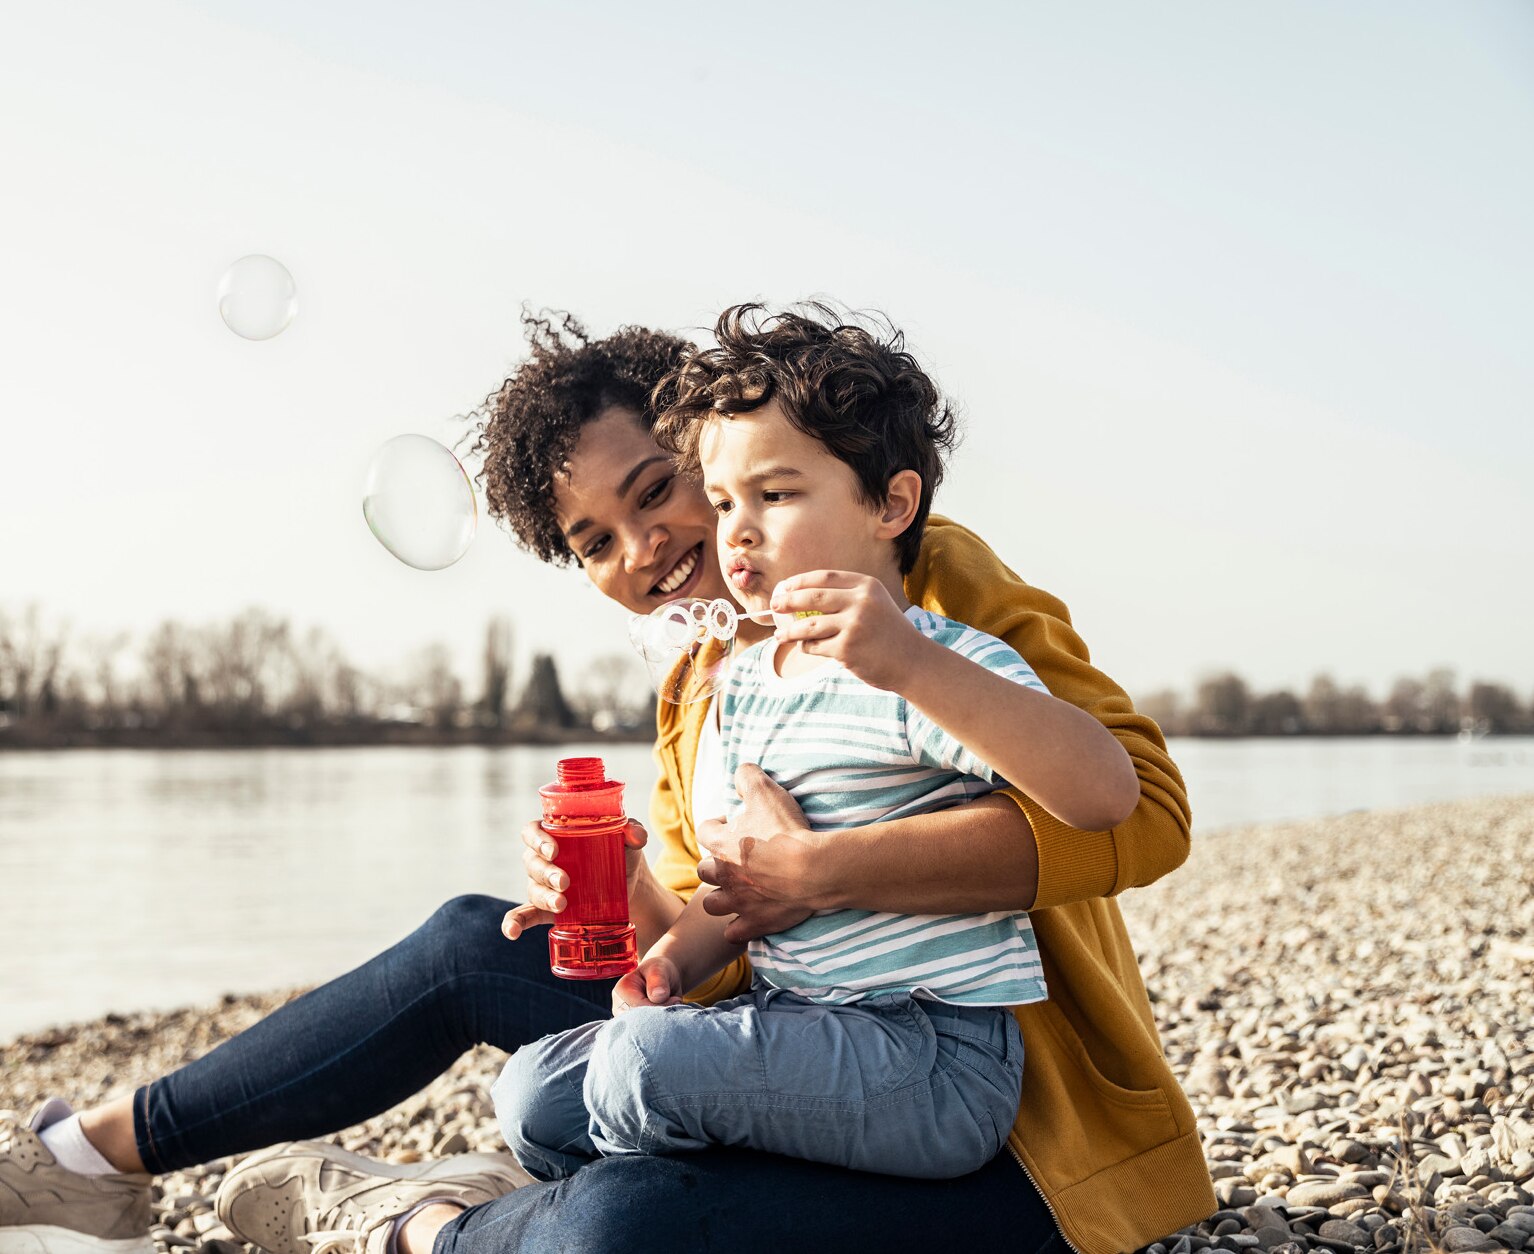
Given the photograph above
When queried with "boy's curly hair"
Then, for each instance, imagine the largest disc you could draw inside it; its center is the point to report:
(845, 379)
(526, 431)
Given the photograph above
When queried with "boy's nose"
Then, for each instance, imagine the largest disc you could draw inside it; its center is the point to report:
(738, 528)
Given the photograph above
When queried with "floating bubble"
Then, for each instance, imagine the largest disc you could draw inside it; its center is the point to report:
(419, 502)
(257, 297)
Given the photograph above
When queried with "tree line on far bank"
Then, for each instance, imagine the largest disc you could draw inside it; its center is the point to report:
(255, 680)
(1225, 704)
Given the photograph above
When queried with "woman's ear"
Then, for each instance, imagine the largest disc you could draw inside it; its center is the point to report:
(900, 504)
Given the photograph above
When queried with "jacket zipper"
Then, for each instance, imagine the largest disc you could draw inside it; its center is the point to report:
(1048, 1205)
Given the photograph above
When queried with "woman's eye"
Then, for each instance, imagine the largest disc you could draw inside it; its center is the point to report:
(595, 549)
(655, 493)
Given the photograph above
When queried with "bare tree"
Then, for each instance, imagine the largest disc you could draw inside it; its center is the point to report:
(612, 689)
(435, 689)
(543, 701)
(497, 678)
(1222, 705)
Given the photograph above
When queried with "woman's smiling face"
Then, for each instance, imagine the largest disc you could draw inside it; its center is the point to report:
(643, 533)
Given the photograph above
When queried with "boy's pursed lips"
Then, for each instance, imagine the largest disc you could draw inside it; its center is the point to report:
(741, 572)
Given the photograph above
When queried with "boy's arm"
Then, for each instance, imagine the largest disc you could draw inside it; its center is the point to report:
(1061, 756)
(691, 950)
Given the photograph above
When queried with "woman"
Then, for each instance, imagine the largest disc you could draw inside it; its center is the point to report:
(1103, 1133)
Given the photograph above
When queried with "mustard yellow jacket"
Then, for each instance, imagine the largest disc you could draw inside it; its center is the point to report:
(1103, 1129)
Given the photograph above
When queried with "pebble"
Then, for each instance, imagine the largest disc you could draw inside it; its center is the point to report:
(1341, 1230)
(1458, 1240)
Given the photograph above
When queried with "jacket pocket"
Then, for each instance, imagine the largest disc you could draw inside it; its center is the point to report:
(1089, 1121)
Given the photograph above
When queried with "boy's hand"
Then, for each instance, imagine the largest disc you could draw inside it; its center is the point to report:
(547, 884)
(655, 982)
(854, 620)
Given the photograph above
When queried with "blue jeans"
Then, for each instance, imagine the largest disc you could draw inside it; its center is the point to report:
(352, 1048)
(890, 1085)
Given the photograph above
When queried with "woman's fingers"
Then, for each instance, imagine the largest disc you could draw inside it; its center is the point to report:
(544, 873)
(635, 836)
(519, 919)
(538, 840)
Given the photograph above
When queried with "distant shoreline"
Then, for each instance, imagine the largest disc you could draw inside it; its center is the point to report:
(392, 738)
(433, 738)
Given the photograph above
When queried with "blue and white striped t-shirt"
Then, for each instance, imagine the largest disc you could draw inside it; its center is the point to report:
(851, 754)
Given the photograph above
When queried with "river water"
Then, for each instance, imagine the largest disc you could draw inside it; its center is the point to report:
(135, 880)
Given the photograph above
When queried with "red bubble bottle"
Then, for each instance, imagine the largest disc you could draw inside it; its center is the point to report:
(583, 812)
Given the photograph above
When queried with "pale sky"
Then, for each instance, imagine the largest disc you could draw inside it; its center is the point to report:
(1236, 299)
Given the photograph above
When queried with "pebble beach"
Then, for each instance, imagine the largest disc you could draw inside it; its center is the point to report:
(1349, 1003)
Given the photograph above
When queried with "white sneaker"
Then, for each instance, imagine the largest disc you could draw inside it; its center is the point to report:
(48, 1209)
(311, 1197)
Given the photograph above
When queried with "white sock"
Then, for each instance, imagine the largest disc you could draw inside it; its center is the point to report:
(392, 1246)
(67, 1142)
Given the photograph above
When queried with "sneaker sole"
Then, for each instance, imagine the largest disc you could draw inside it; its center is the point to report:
(432, 1169)
(499, 1166)
(49, 1239)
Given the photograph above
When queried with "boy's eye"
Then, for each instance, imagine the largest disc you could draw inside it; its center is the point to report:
(773, 498)
(721, 507)
(655, 492)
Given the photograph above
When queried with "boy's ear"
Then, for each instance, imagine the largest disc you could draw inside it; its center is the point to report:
(900, 505)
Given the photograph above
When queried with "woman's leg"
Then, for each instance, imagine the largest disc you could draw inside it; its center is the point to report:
(742, 1202)
(354, 1047)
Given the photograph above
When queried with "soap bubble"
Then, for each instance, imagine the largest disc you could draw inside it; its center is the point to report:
(419, 502)
(257, 297)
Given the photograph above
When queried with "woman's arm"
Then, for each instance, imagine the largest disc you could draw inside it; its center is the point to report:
(771, 868)
(772, 871)
(957, 574)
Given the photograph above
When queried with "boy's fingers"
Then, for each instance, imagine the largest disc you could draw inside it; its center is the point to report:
(818, 628)
(812, 579)
(807, 600)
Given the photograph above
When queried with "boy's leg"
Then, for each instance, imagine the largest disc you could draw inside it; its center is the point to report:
(354, 1047)
(888, 1085)
(540, 1106)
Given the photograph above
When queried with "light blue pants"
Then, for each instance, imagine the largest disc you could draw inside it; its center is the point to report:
(891, 1084)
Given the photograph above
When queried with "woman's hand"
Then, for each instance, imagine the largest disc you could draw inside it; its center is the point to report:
(655, 982)
(762, 862)
(547, 884)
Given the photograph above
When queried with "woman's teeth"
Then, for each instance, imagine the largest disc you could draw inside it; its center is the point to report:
(679, 573)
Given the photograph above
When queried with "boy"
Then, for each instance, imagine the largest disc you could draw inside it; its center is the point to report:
(875, 1041)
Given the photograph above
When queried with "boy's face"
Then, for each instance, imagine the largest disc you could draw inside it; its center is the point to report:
(786, 505)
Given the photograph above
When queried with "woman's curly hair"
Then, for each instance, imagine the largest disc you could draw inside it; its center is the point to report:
(526, 430)
(845, 379)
